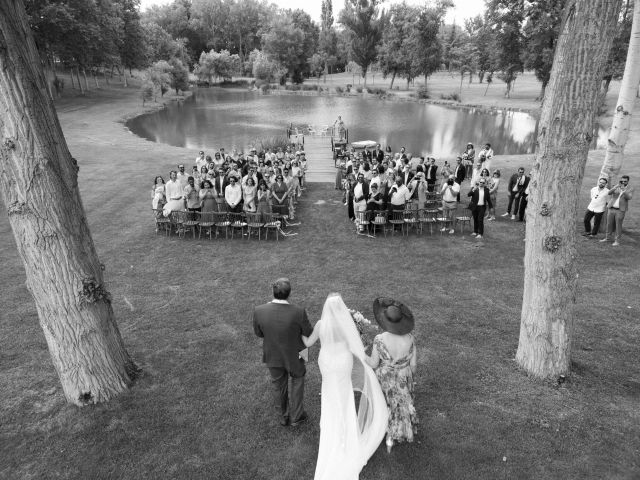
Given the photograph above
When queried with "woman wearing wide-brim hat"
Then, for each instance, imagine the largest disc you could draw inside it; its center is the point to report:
(394, 359)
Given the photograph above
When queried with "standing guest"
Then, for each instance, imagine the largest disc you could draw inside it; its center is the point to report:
(485, 156)
(201, 160)
(158, 193)
(446, 171)
(467, 156)
(279, 192)
(378, 154)
(191, 195)
(405, 174)
(595, 210)
(303, 169)
(399, 195)
(419, 190)
(360, 197)
(450, 192)
(480, 200)
(220, 184)
(217, 160)
(207, 194)
(182, 177)
(517, 185)
(524, 201)
(618, 206)
(493, 193)
(174, 194)
(264, 199)
(249, 191)
(351, 183)
(431, 174)
(394, 358)
(376, 199)
(233, 195)
(459, 171)
(281, 325)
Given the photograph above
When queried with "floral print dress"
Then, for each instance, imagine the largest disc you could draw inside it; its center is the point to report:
(396, 380)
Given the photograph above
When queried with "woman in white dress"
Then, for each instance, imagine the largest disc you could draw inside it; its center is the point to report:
(347, 438)
(157, 194)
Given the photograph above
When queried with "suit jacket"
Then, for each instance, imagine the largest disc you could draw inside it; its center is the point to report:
(365, 191)
(474, 194)
(430, 172)
(367, 155)
(406, 177)
(461, 174)
(624, 199)
(281, 326)
(220, 183)
(512, 183)
(379, 155)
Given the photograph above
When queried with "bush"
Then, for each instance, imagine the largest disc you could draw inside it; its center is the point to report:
(264, 88)
(275, 142)
(452, 96)
(378, 91)
(339, 89)
(359, 89)
(349, 87)
(308, 87)
(423, 92)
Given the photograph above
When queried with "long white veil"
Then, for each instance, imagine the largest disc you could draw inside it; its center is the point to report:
(338, 327)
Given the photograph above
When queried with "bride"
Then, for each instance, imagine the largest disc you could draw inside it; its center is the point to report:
(347, 438)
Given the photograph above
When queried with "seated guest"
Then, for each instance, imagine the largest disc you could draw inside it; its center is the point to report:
(233, 195)
(207, 194)
(174, 193)
(450, 191)
(480, 200)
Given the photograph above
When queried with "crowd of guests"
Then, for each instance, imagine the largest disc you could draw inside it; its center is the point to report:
(377, 180)
(258, 182)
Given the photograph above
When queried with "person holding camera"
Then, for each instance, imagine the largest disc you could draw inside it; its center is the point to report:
(480, 201)
(450, 192)
(617, 208)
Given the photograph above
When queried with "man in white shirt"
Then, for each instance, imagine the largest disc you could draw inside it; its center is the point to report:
(450, 191)
(233, 195)
(201, 160)
(182, 177)
(360, 197)
(595, 210)
(400, 194)
(618, 205)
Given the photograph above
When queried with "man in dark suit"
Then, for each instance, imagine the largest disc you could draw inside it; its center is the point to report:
(378, 154)
(518, 183)
(460, 171)
(405, 174)
(431, 174)
(480, 201)
(281, 325)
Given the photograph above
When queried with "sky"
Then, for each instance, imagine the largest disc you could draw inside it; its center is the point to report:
(463, 8)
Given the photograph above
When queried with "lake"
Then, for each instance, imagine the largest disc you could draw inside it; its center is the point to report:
(215, 117)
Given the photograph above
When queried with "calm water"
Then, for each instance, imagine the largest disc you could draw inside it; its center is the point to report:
(216, 118)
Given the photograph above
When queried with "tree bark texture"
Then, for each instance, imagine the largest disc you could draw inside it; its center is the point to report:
(619, 133)
(565, 131)
(38, 184)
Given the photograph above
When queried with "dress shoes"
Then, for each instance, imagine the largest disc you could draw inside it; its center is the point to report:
(303, 418)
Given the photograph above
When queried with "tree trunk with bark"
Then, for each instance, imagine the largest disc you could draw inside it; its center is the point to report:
(565, 132)
(39, 187)
(79, 82)
(86, 82)
(619, 132)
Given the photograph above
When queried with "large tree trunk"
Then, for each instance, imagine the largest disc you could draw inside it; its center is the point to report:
(393, 77)
(626, 101)
(565, 132)
(38, 183)
(79, 83)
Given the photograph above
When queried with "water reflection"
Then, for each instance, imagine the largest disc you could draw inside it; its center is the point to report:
(217, 118)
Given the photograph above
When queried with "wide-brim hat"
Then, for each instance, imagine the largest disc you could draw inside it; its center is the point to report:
(393, 316)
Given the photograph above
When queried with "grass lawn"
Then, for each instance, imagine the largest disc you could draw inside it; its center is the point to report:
(201, 408)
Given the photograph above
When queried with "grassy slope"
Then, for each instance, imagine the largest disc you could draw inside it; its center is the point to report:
(201, 408)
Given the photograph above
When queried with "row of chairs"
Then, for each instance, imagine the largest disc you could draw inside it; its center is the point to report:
(214, 223)
(372, 221)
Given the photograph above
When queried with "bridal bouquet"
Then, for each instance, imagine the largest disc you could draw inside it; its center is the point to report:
(364, 326)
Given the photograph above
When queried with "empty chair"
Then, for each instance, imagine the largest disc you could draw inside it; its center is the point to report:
(396, 219)
(207, 223)
(427, 217)
(190, 222)
(462, 221)
(379, 220)
(411, 219)
(221, 221)
(254, 223)
(271, 222)
(237, 222)
(362, 221)
(162, 222)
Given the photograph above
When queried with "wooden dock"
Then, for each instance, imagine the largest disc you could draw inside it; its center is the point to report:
(320, 163)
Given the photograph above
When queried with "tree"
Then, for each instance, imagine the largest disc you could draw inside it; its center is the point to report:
(316, 65)
(218, 64)
(540, 35)
(482, 39)
(361, 17)
(302, 21)
(284, 44)
(619, 132)
(507, 17)
(159, 74)
(618, 54)
(328, 40)
(395, 52)
(39, 187)
(179, 75)
(424, 41)
(132, 48)
(564, 136)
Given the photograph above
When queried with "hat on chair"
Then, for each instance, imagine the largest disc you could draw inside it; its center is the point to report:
(393, 316)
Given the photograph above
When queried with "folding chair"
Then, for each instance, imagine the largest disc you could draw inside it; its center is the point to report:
(271, 222)
(362, 222)
(379, 220)
(191, 222)
(427, 217)
(396, 218)
(411, 219)
(221, 221)
(462, 221)
(254, 222)
(207, 223)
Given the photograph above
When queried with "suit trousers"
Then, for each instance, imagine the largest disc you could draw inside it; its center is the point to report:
(597, 218)
(290, 406)
(431, 185)
(478, 219)
(513, 201)
(522, 206)
(615, 217)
